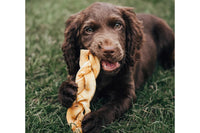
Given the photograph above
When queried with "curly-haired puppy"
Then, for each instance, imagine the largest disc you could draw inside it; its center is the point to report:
(128, 46)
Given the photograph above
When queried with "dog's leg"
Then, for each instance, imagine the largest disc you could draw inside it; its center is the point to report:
(121, 99)
(67, 92)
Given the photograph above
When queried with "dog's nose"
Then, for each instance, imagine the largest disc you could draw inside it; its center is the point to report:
(108, 50)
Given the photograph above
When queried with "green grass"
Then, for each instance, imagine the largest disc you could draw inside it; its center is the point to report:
(46, 69)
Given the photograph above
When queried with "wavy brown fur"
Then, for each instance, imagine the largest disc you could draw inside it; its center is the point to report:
(134, 34)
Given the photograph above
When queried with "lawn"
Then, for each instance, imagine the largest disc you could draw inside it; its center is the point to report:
(153, 111)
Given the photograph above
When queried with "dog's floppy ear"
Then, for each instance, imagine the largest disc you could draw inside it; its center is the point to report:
(71, 46)
(134, 34)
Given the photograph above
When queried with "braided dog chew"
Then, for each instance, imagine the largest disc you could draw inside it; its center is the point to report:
(85, 79)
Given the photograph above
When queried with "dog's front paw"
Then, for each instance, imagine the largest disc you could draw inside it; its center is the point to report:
(92, 123)
(67, 93)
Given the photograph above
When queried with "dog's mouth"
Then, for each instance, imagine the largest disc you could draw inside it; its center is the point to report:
(109, 66)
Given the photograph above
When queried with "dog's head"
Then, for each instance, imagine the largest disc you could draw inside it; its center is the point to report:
(112, 33)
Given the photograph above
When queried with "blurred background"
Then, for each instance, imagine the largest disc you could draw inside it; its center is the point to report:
(46, 69)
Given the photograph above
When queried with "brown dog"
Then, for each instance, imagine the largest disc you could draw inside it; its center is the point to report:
(128, 46)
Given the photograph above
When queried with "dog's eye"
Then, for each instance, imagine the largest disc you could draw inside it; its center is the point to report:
(118, 26)
(88, 29)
